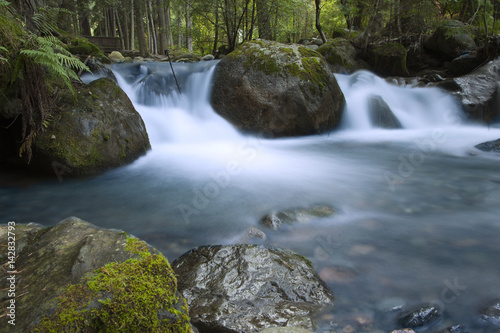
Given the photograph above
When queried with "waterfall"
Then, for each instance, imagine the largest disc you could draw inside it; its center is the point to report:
(414, 108)
(170, 116)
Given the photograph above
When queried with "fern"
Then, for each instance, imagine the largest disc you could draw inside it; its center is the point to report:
(50, 53)
(3, 49)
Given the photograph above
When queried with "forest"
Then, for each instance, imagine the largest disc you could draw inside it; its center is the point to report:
(205, 27)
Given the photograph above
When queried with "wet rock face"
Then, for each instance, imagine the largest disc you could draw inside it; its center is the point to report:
(293, 216)
(247, 288)
(478, 91)
(381, 114)
(277, 90)
(491, 314)
(490, 146)
(423, 316)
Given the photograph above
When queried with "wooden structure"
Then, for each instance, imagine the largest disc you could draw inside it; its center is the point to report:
(107, 44)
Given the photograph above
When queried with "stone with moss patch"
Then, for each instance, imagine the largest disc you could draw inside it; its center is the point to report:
(451, 39)
(80, 278)
(98, 131)
(340, 53)
(276, 90)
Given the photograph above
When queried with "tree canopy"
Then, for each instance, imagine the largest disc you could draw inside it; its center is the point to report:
(208, 26)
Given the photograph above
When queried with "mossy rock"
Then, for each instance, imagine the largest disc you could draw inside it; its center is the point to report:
(390, 59)
(81, 46)
(340, 53)
(76, 277)
(274, 90)
(98, 131)
(451, 39)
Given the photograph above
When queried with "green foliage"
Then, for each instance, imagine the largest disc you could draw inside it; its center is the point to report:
(131, 296)
(2, 59)
(49, 52)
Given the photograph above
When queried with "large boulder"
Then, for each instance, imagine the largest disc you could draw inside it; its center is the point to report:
(80, 278)
(381, 114)
(451, 39)
(98, 131)
(247, 288)
(277, 90)
(478, 92)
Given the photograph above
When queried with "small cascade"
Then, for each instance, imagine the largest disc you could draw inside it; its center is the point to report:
(370, 99)
(170, 116)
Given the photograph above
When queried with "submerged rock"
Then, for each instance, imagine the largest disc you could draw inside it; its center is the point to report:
(246, 288)
(491, 314)
(490, 146)
(293, 216)
(420, 317)
(277, 90)
(100, 131)
(381, 114)
(74, 252)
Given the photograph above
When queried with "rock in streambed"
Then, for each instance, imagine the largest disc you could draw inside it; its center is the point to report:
(247, 288)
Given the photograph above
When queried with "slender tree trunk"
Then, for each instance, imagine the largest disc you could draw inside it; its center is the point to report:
(168, 22)
(126, 36)
(154, 37)
(263, 19)
(189, 23)
(318, 22)
(132, 25)
(120, 31)
(180, 37)
(216, 28)
(162, 31)
(141, 34)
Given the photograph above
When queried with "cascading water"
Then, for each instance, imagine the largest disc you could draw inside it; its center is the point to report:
(417, 207)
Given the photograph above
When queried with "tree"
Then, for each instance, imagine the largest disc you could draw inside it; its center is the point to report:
(318, 23)
(139, 23)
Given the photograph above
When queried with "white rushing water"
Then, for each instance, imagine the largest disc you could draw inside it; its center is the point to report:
(417, 207)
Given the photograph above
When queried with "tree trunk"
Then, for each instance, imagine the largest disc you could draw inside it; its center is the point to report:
(83, 16)
(154, 37)
(126, 36)
(263, 19)
(189, 23)
(132, 28)
(216, 28)
(141, 34)
(162, 31)
(120, 31)
(318, 23)
(168, 22)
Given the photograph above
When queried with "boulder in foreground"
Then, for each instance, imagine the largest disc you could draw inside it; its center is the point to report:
(247, 288)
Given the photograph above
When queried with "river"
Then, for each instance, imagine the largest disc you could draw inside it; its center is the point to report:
(417, 208)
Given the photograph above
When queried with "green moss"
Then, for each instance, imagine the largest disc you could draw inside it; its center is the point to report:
(81, 45)
(307, 52)
(138, 295)
(391, 49)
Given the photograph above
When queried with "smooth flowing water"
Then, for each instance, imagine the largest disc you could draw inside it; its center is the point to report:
(417, 208)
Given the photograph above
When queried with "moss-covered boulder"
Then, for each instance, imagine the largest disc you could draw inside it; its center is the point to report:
(81, 46)
(451, 39)
(75, 277)
(247, 288)
(340, 53)
(390, 59)
(99, 131)
(277, 90)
